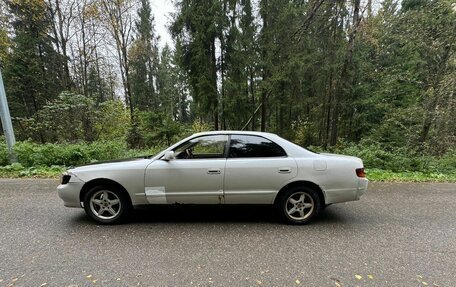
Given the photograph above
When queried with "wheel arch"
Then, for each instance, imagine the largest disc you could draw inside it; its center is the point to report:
(102, 181)
(303, 183)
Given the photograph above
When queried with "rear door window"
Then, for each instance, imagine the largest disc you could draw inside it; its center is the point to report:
(242, 146)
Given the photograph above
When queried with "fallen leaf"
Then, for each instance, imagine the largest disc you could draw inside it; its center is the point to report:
(44, 284)
(336, 281)
(118, 279)
(359, 277)
(370, 276)
(94, 281)
(89, 276)
(424, 283)
(14, 280)
(419, 276)
(297, 281)
(258, 282)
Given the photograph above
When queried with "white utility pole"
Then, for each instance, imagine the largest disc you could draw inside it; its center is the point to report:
(6, 121)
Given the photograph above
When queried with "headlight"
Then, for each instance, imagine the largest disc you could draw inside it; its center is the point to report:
(65, 178)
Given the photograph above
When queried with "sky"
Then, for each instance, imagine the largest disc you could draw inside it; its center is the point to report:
(162, 10)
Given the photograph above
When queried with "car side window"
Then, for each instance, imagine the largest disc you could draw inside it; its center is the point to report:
(253, 146)
(202, 147)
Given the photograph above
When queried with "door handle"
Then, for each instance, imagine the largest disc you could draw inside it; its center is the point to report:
(214, 171)
(284, 170)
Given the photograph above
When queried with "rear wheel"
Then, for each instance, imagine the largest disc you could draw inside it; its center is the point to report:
(299, 205)
(106, 205)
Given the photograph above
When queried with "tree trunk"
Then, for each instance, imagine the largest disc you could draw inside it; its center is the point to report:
(214, 84)
(344, 82)
(252, 93)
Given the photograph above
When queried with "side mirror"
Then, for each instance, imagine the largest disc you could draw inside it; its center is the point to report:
(169, 155)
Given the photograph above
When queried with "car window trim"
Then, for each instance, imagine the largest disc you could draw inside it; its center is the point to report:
(227, 146)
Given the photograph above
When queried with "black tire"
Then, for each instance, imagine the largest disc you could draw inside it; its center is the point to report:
(304, 213)
(102, 212)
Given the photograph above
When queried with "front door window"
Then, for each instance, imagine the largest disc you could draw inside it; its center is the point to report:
(203, 148)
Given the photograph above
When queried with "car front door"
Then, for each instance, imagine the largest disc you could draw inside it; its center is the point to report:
(194, 176)
(256, 168)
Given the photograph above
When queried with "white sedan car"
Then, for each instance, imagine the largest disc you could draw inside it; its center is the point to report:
(222, 167)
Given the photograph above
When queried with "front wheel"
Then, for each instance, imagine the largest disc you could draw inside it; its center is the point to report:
(106, 205)
(299, 205)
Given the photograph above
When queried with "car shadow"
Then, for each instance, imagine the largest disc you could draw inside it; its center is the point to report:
(213, 214)
(203, 213)
(218, 213)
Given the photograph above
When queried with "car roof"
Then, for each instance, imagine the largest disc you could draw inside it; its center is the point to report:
(234, 132)
(290, 148)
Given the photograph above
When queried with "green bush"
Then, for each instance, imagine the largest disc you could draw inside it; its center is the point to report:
(47, 159)
(400, 159)
(3, 152)
(31, 154)
(17, 170)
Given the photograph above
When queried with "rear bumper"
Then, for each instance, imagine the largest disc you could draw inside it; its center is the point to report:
(362, 187)
(69, 193)
(346, 194)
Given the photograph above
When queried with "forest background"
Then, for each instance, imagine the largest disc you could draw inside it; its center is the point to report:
(86, 79)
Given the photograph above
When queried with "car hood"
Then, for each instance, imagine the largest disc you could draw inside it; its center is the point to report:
(113, 165)
(114, 161)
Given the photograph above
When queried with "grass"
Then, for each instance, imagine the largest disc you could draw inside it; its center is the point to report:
(18, 171)
(375, 174)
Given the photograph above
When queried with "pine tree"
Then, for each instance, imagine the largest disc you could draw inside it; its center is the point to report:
(172, 86)
(143, 57)
(196, 32)
(31, 73)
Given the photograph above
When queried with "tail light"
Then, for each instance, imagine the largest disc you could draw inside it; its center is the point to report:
(360, 172)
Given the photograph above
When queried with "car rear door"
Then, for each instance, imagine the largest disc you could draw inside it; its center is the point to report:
(256, 168)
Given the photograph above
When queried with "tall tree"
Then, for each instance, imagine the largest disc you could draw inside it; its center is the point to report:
(172, 87)
(345, 79)
(31, 74)
(143, 57)
(119, 22)
(5, 41)
(195, 30)
(62, 15)
(238, 66)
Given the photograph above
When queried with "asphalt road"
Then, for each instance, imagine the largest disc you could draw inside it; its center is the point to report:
(396, 235)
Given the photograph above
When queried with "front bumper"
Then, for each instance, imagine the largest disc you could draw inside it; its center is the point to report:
(69, 192)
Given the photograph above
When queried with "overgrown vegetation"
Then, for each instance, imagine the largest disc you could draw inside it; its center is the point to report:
(376, 79)
(49, 160)
(31, 154)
